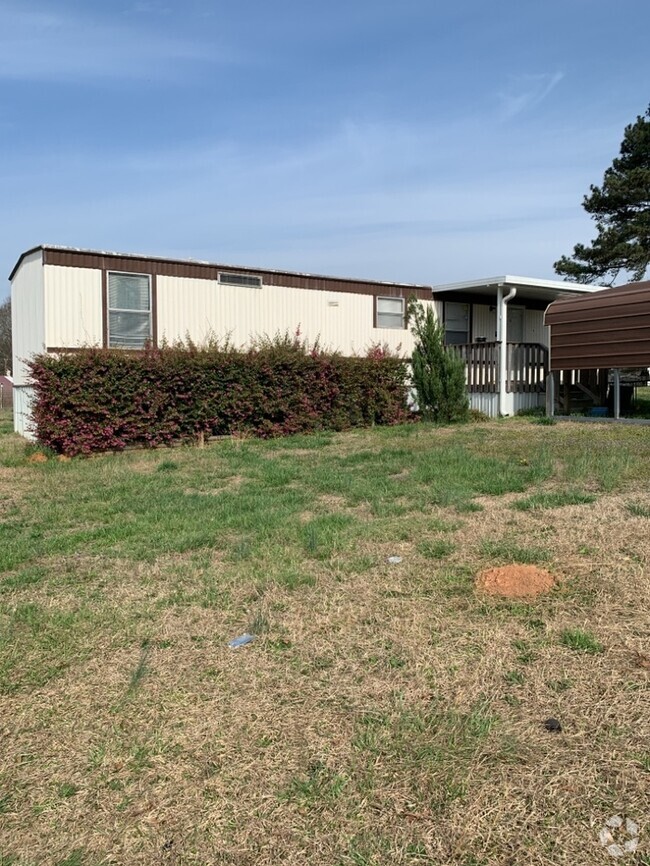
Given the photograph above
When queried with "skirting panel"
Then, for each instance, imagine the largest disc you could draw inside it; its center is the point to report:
(23, 397)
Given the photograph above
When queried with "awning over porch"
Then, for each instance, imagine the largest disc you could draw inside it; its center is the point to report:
(528, 288)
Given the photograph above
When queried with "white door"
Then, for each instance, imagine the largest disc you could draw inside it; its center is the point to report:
(515, 324)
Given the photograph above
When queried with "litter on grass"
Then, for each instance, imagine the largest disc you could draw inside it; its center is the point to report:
(242, 640)
(619, 836)
(394, 560)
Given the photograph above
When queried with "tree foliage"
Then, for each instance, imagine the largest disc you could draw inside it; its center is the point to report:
(438, 374)
(621, 210)
(5, 336)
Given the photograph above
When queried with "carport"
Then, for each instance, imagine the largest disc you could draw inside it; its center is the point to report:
(592, 334)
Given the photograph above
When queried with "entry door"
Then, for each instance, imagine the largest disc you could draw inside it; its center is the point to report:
(515, 324)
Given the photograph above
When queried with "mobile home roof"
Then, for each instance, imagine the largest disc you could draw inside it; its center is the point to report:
(192, 268)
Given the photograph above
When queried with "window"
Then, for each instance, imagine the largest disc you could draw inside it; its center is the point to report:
(229, 279)
(390, 313)
(456, 323)
(129, 310)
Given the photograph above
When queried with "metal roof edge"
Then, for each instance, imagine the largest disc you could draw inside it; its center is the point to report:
(509, 279)
(23, 256)
(228, 266)
(567, 305)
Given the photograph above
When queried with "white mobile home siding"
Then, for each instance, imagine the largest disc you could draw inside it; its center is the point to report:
(341, 321)
(484, 323)
(513, 403)
(22, 402)
(28, 334)
(27, 315)
(73, 306)
(535, 331)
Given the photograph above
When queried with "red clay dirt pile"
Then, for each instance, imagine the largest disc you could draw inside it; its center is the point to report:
(515, 581)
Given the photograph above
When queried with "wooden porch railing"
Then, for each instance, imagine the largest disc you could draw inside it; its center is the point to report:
(481, 365)
(527, 366)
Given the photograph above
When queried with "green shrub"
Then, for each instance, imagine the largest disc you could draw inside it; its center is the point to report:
(438, 373)
(100, 399)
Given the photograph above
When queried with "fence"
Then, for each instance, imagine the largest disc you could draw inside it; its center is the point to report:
(526, 364)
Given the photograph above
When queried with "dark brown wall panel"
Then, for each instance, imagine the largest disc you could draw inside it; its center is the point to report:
(607, 329)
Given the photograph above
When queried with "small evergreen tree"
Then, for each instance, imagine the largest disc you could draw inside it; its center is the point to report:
(621, 210)
(438, 374)
(5, 336)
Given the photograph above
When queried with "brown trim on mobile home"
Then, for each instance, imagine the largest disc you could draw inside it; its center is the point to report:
(154, 310)
(70, 350)
(164, 267)
(104, 308)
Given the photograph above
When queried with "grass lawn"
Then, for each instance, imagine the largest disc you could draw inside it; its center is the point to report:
(385, 713)
(641, 402)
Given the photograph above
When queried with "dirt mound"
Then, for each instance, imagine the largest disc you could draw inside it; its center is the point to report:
(515, 581)
(37, 457)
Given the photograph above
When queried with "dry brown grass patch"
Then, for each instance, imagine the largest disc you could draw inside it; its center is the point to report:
(384, 714)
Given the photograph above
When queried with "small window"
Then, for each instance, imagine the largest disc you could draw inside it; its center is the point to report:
(230, 279)
(456, 323)
(129, 310)
(390, 312)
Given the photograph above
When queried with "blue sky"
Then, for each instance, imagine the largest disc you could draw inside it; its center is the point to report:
(416, 141)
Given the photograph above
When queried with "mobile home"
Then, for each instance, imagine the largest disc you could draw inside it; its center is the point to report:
(64, 299)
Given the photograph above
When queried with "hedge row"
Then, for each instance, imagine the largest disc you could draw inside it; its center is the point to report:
(98, 400)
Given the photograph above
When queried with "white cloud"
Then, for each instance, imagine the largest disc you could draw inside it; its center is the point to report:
(36, 44)
(526, 91)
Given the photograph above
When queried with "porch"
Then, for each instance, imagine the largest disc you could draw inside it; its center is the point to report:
(497, 327)
(526, 369)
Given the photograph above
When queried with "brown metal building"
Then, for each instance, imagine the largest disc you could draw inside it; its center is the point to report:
(608, 329)
(593, 334)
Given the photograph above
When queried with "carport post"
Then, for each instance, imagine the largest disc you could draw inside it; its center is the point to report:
(617, 393)
(550, 394)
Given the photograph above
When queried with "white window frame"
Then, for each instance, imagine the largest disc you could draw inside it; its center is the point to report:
(402, 320)
(110, 310)
(246, 281)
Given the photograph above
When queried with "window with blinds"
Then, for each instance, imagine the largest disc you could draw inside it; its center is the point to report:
(129, 310)
(390, 312)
